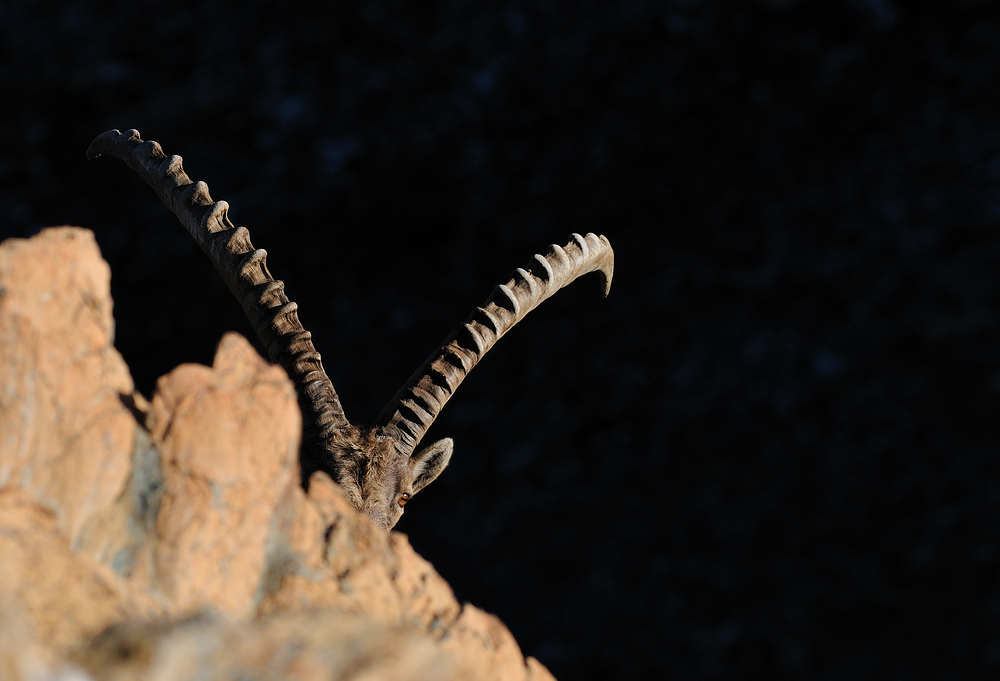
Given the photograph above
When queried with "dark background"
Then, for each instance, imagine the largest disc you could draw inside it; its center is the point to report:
(771, 453)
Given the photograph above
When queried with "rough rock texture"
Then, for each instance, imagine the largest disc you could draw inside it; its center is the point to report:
(169, 539)
(65, 434)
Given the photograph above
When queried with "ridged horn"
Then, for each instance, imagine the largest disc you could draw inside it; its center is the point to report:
(243, 268)
(412, 411)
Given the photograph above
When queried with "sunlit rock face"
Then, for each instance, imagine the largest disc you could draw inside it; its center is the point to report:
(169, 538)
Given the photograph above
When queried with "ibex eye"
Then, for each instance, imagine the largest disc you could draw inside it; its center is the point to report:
(403, 498)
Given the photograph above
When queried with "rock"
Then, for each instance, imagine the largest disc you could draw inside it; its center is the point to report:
(65, 433)
(60, 596)
(170, 538)
(300, 646)
(228, 439)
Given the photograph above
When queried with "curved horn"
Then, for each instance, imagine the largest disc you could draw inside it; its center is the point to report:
(411, 412)
(243, 268)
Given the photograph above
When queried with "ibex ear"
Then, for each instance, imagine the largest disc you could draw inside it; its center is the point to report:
(429, 463)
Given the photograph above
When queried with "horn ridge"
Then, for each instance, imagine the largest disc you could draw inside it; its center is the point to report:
(440, 375)
(244, 270)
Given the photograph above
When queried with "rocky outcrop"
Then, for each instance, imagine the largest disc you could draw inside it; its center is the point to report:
(170, 538)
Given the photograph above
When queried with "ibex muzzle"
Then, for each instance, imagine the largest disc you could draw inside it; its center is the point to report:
(375, 465)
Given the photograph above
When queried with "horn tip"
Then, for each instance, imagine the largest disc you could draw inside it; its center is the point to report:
(106, 141)
(100, 144)
(608, 269)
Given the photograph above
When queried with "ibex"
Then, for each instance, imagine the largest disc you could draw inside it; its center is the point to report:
(374, 465)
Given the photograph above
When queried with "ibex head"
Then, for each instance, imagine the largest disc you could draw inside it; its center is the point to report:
(379, 477)
(378, 466)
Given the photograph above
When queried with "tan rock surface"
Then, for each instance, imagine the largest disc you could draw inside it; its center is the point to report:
(303, 646)
(228, 438)
(61, 596)
(115, 511)
(65, 435)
